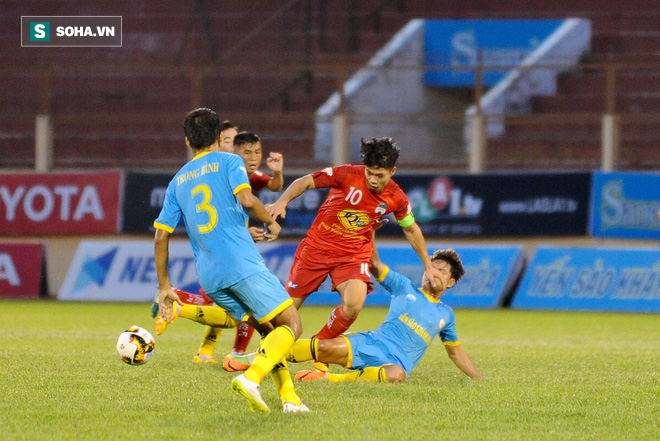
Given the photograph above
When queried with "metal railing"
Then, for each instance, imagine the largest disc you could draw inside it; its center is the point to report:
(119, 131)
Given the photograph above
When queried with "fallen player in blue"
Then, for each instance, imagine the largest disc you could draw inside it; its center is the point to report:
(389, 353)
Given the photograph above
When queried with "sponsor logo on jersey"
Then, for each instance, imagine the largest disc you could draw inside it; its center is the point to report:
(353, 219)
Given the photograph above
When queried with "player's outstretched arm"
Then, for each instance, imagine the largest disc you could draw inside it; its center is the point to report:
(463, 361)
(257, 211)
(414, 235)
(377, 265)
(297, 187)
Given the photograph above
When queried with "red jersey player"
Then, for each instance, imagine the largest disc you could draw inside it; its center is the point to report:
(339, 242)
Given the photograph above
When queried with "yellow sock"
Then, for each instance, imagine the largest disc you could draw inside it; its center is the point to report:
(304, 349)
(282, 379)
(210, 339)
(207, 315)
(271, 351)
(370, 374)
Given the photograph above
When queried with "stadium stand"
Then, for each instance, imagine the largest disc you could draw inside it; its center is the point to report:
(268, 66)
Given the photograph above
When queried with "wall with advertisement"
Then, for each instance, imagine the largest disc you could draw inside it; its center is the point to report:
(496, 205)
(22, 272)
(626, 205)
(456, 205)
(143, 201)
(60, 203)
(125, 271)
(591, 280)
(116, 270)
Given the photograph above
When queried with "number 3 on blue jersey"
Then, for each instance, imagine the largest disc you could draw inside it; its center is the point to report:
(206, 207)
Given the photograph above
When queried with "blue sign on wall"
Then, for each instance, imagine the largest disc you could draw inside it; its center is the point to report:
(456, 44)
(591, 280)
(626, 205)
(490, 273)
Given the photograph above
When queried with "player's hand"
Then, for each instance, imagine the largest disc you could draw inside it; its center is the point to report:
(276, 210)
(257, 234)
(166, 300)
(433, 275)
(380, 222)
(275, 162)
(273, 231)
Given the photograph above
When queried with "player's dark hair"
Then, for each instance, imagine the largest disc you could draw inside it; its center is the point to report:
(379, 152)
(201, 127)
(451, 257)
(246, 138)
(226, 124)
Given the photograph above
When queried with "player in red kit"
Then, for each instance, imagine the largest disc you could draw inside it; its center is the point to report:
(339, 242)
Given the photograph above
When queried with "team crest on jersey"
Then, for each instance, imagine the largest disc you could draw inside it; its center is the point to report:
(353, 219)
(410, 298)
(381, 209)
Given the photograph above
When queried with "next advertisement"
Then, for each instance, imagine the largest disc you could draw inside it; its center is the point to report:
(587, 279)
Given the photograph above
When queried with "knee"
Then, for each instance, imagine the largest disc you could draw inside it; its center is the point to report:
(352, 309)
(290, 318)
(395, 373)
(297, 329)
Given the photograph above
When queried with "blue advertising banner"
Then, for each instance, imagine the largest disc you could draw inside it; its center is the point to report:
(456, 43)
(626, 205)
(490, 274)
(126, 271)
(591, 280)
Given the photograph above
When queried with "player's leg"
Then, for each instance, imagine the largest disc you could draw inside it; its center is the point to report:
(352, 281)
(206, 315)
(291, 402)
(237, 359)
(209, 341)
(370, 363)
(269, 303)
(353, 294)
(334, 351)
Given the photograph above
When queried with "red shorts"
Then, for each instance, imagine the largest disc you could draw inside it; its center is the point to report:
(312, 266)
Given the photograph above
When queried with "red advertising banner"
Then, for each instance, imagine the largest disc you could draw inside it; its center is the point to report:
(21, 269)
(59, 203)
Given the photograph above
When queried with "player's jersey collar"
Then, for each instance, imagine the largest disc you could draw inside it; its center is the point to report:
(428, 296)
(201, 154)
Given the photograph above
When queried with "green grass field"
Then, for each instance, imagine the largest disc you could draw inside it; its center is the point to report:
(550, 376)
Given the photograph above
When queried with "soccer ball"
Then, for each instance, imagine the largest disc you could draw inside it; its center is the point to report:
(135, 345)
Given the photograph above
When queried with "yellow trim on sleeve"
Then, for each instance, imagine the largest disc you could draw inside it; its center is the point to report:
(349, 357)
(163, 227)
(241, 187)
(406, 221)
(282, 307)
(451, 343)
(382, 275)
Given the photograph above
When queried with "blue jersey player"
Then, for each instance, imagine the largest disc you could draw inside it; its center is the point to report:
(389, 353)
(211, 194)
